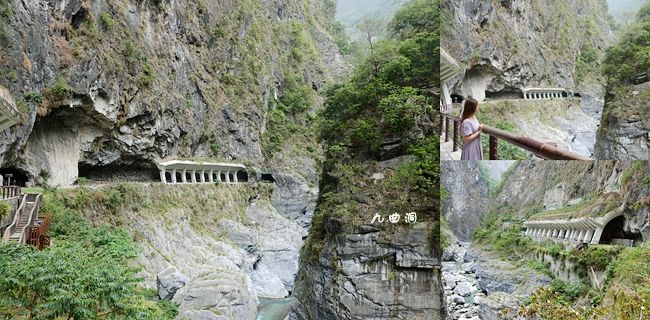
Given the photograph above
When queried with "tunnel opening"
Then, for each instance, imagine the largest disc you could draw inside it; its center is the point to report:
(179, 177)
(231, 177)
(222, 177)
(188, 176)
(119, 172)
(197, 176)
(242, 176)
(507, 93)
(268, 177)
(14, 177)
(168, 177)
(614, 233)
(577, 95)
(456, 98)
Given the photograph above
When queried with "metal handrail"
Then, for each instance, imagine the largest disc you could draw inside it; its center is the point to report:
(38, 234)
(33, 215)
(12, 227)
(543, 150)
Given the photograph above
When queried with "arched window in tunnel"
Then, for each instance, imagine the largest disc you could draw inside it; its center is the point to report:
(13, 176)
(231, 178)
(168, 177)
(614, 233)
(179, 176)
(242, 176)
(188, 176)
(268, 177)
(197, 176)
(223, 177)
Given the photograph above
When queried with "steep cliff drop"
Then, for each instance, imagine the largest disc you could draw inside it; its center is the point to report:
(373, 249)
(625, 128)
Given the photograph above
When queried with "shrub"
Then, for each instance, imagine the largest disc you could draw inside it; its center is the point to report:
(60, 89)
(107, 20)
(4, 209)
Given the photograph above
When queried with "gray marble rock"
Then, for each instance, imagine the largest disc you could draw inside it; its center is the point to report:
(169, 281)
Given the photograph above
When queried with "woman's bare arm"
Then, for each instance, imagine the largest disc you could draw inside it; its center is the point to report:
(469, 138)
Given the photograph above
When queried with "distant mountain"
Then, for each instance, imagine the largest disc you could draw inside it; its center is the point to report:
(350, 12)
(618, 7)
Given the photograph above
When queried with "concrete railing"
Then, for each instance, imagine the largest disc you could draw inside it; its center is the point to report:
(544, 93)
(548, 151)
(35, 201)
(199, 172)
(14, 224)
(586, 229)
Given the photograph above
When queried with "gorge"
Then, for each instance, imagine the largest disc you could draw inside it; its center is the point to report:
(508, 261)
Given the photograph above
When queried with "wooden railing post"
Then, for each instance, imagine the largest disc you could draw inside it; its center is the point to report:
(455, 136)
(447, 129)
(494, 148)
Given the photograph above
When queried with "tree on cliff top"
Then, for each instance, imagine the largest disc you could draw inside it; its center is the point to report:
(631, 56)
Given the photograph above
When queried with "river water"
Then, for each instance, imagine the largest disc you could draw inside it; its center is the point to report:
(273, 309)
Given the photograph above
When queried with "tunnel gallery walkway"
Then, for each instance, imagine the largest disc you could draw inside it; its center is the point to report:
(588, 229)
(544, 93)
(184, 171)
(9, 114)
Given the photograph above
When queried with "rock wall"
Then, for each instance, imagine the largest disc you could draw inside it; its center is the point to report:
(215, 254)
(467, 197)
(127, 82)
(364, 273)
(625, 129)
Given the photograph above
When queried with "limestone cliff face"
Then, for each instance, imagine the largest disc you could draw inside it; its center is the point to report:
(560, 184)
(364, 273)
(214, 254)
(467, 198)
(352, 267)
(122, 83)
(625, 129)
(505, 46)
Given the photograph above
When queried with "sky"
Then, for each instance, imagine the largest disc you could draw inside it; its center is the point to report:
(617, 7)
(350, 12)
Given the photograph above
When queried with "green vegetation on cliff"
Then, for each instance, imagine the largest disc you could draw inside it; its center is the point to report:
(625, 113)
(631, 55)
(388, 100)
(88, 273)
(621, 290)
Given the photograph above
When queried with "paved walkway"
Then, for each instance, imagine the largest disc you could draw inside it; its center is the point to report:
(446, 150)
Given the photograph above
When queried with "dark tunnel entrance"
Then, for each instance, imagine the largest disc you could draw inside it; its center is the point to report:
(120, 172)
(268, 177)
(507, 93)
(14, 177)
(614, 233)
(242, 176)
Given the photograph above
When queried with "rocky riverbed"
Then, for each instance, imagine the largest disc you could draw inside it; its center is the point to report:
(479, 285)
